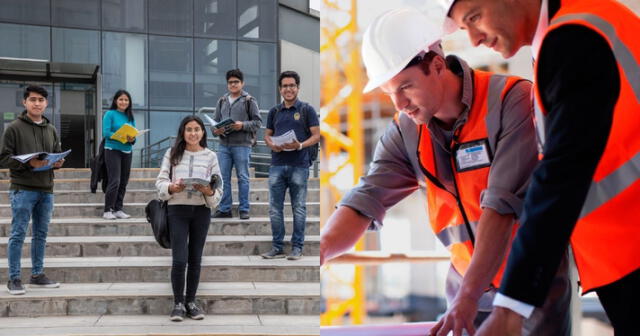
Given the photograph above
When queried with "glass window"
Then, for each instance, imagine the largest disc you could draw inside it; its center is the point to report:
(170, 72)
(23, 41)
(257, 19)
(215, 18)
(25, 11)
(258, 64)
(140, 118)
(171, 17)
(213, 58)
(164, 124)
(125, 15)
(76, 13)
(76, 46)
(124, 66)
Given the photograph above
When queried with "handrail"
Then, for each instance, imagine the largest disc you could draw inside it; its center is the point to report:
(381, 257)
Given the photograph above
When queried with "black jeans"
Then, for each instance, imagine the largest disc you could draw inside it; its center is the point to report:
(188, 226)
(118, 169)
(620, 302)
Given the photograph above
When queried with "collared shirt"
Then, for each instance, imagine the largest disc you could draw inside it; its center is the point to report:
(282, 119)
(393, 174)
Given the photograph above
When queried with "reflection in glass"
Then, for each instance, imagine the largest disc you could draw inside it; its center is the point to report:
(76, 13)
(22, 41)
(257, 19)
(76, 46)
(124, 66)
(215, 18)
(126, 15)
(170, 72)
(257, 60)
(25, 11)
(171, 17)
(213, 58)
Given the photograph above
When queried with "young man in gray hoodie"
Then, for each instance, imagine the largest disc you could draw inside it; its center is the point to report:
(236, 141)
(31, 192)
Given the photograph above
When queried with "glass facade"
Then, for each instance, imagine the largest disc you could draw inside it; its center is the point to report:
(171, 55)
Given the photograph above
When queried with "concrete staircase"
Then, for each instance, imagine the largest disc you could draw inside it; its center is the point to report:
(115, 278)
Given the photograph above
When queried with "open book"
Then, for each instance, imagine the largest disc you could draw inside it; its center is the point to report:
(219, 124)
(51, 157)
(126, 129)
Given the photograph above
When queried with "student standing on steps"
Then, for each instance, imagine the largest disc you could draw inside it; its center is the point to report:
(189, 210)
(31, 193)
(236, 141)
(117, 155)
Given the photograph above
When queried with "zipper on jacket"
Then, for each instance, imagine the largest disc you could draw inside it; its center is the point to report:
(439, 184)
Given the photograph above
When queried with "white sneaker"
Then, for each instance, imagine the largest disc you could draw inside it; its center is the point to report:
(120, 214)
(109, 215)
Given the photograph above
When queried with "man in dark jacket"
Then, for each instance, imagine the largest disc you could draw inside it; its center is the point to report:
(31, 192)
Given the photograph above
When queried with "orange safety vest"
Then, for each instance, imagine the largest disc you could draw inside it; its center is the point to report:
(454, 219)
(606, 238)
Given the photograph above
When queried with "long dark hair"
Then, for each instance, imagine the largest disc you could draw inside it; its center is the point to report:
(114, 103)
(178, 147)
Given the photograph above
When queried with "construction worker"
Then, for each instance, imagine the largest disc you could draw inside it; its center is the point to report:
(466, 139)
(586, 188)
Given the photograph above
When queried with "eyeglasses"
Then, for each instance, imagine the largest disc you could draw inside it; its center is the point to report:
(233, 82)
(289, 86)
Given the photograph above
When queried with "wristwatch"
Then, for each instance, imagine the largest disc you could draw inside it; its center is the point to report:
(300, 148)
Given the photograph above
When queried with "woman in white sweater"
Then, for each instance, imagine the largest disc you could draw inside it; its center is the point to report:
(189, 210)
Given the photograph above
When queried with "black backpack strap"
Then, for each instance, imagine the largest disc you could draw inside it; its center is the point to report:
(248, 98)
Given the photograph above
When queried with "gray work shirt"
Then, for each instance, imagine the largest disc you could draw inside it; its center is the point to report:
(395, 172)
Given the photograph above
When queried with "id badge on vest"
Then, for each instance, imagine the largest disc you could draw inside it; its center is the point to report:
(472, 155)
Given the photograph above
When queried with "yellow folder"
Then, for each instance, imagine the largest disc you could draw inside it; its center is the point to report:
(126, 129)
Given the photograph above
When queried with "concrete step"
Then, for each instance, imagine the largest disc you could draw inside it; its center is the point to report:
(95, 226)
(157, 269)
(139, 196)
(146, 183)
(144, 325)
(299, 298)
(146, 246)
(137, 209)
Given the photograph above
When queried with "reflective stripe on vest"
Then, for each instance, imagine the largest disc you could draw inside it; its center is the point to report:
(606, 238)
(445, 214)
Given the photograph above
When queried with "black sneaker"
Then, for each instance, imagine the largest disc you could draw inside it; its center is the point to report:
(41, 280)
(296, 254)
(244, 214)
(222, 214)
(274, 254)
(178, 312)
(14, 287)
(194, 312)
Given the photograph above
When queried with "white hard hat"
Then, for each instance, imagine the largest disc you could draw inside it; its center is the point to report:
(393, 40)
(449, 26)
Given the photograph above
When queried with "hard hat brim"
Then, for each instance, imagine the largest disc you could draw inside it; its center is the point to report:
(379, 80)
(449, 26)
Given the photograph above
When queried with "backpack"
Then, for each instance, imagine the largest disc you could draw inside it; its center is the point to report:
(314, 149)
(248, 100)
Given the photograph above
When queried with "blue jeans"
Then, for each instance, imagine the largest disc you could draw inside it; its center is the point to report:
(238, 156)
(294, 178)
(25, 205)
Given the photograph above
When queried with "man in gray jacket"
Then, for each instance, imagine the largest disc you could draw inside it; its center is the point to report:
(236, 141)
(31, 192)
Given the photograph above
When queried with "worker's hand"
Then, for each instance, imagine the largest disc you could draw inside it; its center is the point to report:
(176, 187)
(460, 316)
(295, 145)
(502, 321)
(206, 190)
(236, 126)
(35, 163)
(58, 164)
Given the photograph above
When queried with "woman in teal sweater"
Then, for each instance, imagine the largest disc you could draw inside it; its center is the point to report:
(117, 155)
